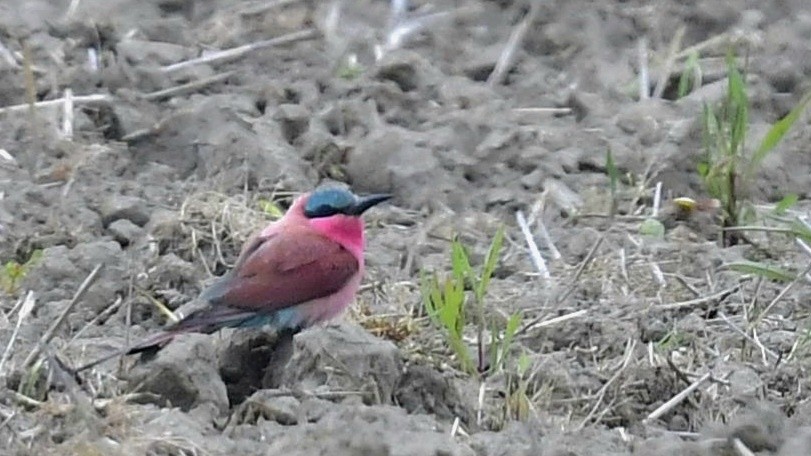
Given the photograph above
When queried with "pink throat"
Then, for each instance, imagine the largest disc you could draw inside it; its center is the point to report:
(344, 229)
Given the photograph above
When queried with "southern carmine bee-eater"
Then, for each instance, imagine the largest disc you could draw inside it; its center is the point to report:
(299, 271)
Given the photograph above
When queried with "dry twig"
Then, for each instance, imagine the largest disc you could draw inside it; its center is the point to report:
(704, 299)
(664, 72)
(241, 51)
(507, 57)
(48, 335)
(67, 115)
(675, 400)
(629, 351)
(644, 78)
(25, 309)
(187, 87)
(81, 99)
(534, 253)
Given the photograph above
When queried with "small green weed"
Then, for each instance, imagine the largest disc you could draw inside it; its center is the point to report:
(445, 301)
(350, 69)
(673, 340)
(690, 78)
(517, 404)
(13, 272)
(724, 144)
(728, 167)
(270, 208)
(613, 180)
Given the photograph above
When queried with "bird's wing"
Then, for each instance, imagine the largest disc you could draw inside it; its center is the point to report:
(282, 270)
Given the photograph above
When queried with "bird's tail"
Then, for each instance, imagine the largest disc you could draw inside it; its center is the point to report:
(153, 342)
(206, 321)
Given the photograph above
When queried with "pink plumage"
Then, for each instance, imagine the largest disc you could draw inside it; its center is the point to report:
(301, 270)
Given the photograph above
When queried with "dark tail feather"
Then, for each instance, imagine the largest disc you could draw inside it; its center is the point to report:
(206, 322)
(156, 341)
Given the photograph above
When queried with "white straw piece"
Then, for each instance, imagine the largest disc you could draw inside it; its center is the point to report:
(81, 99)
(657, 199)
(67, 115)
(534, 253)
(644, 77)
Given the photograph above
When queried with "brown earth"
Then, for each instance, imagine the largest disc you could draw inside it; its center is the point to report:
(161, 183)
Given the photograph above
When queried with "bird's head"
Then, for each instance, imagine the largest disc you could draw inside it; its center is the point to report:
(335, 212)
(332, 200)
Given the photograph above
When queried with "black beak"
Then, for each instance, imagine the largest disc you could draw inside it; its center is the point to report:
(365, 202)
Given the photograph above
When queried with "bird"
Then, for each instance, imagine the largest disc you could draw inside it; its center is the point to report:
(301, 270)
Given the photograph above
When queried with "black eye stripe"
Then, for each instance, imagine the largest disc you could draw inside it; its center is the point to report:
(323, 210)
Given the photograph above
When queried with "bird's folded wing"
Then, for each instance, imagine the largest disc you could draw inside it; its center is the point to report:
(285, 269)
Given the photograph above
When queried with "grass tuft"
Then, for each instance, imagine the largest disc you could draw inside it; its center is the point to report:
(13, 273)
(446, 303)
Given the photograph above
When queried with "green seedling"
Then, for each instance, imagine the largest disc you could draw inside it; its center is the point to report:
(34, 382)
(785, 204)
(728, 167)
(764, 270)
(445, 301)
(517, 404)
(613, 180)
(270, 208)
(500, 350)
(690, 78)
(13, 272)
(724, 144)
(673, 340)
(349, 68)
(776, 134)
(652, 228)
(445, 304)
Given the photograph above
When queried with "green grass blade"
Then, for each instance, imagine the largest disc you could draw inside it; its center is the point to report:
(786, 203)
(762, 270)
(509, 333)
(688, 81)
(776, 133)
(459, 260)
(431, 296)
(490, 263)
(613, 174)
(465, 361)
(713, 139)
(800, 230)
(737, 107)
(452, 306)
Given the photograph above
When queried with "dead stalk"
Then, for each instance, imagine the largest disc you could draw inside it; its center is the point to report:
(241, 51)
(534, 253)
(664, 72)
(657, 199)
(741, 448)
(26, 308)
(81, 99)
(188, 87)
(626, 360)
(80, 292)
(507, 57)
(644, 78)
(783, 292)
(746, 336)
(67, 115)
(551, 322)
(675, 400)
(580, 269)
(698, 301)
